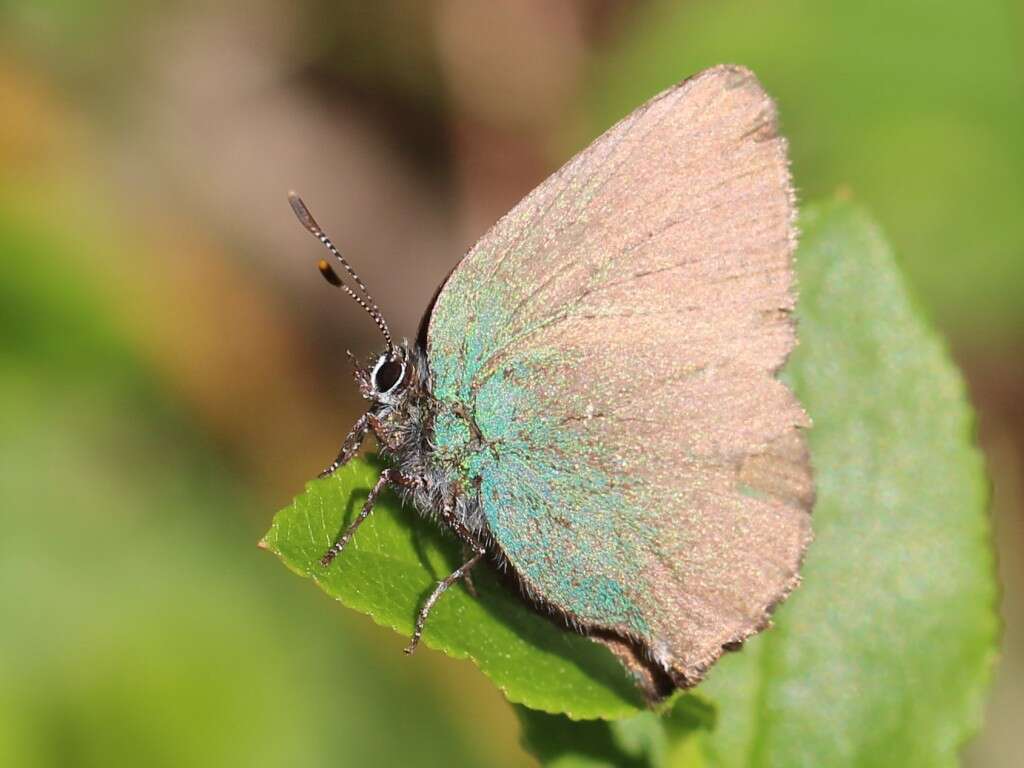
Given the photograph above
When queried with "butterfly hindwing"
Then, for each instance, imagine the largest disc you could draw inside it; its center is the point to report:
(615, 339)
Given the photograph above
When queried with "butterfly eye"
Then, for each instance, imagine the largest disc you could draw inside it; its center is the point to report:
(387, 375)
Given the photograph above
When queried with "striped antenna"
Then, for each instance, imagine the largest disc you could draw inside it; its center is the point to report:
(365, 301)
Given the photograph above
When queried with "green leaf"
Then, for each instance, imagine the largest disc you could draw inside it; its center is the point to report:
(647, 740)
(881, 657)
(392, 564)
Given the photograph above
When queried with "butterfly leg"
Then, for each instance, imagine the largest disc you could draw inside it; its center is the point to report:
(387, 477)
(440, 589)
(468, 578)
(468, 544)
(350, 446)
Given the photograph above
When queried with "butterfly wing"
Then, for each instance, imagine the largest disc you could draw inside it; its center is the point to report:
(614, 339)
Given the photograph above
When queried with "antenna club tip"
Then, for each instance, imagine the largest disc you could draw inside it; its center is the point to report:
(303, 214)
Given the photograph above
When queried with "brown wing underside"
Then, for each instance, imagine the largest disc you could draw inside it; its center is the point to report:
(638, 305)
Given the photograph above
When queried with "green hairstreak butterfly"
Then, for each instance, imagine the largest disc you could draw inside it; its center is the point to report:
(592, 400)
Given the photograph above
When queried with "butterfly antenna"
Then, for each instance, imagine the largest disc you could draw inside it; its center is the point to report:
(368, 304)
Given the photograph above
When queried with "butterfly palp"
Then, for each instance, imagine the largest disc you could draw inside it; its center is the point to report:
(329, 274)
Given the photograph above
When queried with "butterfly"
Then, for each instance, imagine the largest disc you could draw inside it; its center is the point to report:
(592, 401)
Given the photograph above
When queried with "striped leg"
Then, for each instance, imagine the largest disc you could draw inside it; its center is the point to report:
(387, 476)
(350, 446)
(439, 590)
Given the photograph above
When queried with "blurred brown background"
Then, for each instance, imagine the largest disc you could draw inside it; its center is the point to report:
(173, 370)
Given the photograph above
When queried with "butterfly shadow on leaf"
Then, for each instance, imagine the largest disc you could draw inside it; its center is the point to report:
(510, 623)
(395, 560)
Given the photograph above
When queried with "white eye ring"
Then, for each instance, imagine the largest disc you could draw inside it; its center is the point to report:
(381, 362)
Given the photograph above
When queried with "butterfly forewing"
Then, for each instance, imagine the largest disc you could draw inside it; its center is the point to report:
(615, 338)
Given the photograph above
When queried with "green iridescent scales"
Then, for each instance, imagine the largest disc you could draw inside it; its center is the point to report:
(614, 340)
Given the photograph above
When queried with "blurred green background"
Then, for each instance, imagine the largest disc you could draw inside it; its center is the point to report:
(172, 369)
